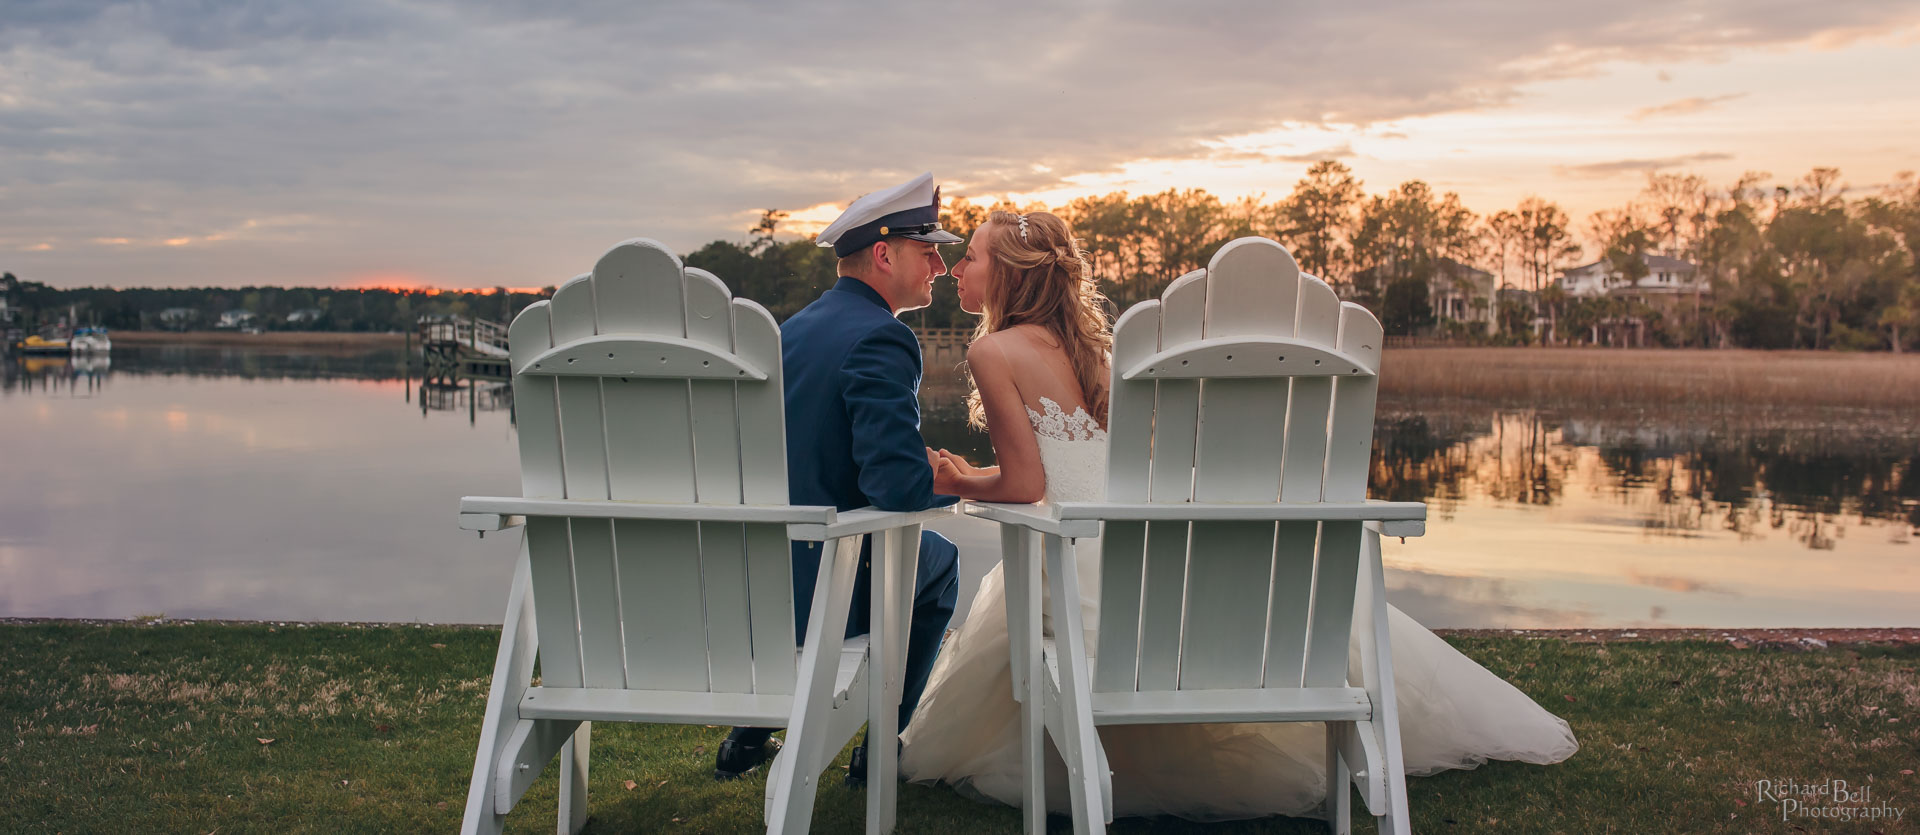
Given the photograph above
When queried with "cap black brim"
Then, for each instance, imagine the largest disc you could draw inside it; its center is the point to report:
(937, 236)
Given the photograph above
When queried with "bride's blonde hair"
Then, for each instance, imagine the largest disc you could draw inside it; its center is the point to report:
(1039, 276)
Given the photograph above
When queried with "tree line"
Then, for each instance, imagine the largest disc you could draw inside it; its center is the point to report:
(1797, 265)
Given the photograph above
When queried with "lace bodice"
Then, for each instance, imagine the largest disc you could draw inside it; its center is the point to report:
(1073, 452)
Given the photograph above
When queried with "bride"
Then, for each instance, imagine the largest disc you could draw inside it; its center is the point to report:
(1039, 366)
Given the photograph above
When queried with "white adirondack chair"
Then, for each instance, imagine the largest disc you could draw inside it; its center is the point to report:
(655, 581)
(1240, 554)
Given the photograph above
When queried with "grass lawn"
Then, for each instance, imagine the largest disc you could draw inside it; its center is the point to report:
(236, 728)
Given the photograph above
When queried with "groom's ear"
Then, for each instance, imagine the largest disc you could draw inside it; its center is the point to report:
(881, 254)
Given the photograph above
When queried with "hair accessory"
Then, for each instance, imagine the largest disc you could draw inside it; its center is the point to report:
(1023, 227)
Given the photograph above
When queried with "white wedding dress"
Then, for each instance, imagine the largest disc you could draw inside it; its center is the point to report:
(1453, 712)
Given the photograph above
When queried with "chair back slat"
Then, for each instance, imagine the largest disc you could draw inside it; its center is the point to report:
(1176, 412)
(550, 558)
(1130, 452)
(1162, 602)
(1312, 397)
(661, 605)
(716, 452)
(670, 605)
(542, 475)
(1290, 597)
(536, 413)
(1349, 454)
(1297, 544)
(1334, 586)
(1176, 416)
(1251, 291)
(1236, 604)
(602, 664)
(763, 480)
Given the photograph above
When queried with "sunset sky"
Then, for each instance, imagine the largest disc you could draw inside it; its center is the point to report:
(510, 143)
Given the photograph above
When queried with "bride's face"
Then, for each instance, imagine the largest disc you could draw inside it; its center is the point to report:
(970, 273)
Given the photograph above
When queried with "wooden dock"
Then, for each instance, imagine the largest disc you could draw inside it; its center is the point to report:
(463, 347)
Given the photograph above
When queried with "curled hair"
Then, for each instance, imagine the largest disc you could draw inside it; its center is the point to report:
(1043, 278)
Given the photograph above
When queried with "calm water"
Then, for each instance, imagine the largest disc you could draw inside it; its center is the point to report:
(238, 483)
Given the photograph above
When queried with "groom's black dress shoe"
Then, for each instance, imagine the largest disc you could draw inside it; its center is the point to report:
(857, 764)
(737, 757)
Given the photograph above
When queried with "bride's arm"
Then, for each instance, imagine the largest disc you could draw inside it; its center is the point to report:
(1018, 478)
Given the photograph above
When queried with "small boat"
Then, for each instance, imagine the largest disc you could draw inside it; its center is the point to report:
(37, 344)
(90, 341)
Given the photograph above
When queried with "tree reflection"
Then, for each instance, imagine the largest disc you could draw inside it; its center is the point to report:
(1674, 480)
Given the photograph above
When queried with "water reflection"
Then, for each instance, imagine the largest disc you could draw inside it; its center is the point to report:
(214, 482)
(1663, 481)
(81, 376)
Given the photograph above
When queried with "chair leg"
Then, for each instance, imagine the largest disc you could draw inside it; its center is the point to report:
(895, 562)
(1339, 803)
(573, 780)
(1023, 583)
(1084, 777)
(512, 674)
(1015, 552)
(1376, 668)
(792, 808)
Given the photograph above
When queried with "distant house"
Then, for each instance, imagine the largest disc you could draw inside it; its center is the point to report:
(304, 316)
(177, 318)
(1666, 276)
(1455, 291)
(236, 318)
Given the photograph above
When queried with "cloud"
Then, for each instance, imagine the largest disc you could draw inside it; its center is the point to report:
(509, 142)
(1635, 166)
(1682, 107)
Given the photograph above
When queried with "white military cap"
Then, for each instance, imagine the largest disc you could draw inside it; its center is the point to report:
(908, 210)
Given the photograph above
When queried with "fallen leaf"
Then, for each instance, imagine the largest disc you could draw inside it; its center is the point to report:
(441, 805)
(1569, 697)
(383, 728)
(263, 740)
(439, 646)
(343, 782)
(700, 749)
(630, 785)
(1739, 802)
(1906, 771)
(676, 820)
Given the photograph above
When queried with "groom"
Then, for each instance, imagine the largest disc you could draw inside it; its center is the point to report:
(853, 424)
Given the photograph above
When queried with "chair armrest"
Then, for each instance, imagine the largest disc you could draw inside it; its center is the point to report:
(475, 510)
(484, 522)
(1043, 518)
(1083, 519)
(1402, 528)
(1364, 511)
(865, 520)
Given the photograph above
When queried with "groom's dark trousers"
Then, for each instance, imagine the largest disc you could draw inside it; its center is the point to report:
(853, 439)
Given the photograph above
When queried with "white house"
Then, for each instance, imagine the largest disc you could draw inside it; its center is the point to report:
(236, 318)
(1665, 276)
(178, 317)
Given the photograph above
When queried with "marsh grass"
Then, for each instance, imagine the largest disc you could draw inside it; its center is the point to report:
(159, 728)
(1763, 383)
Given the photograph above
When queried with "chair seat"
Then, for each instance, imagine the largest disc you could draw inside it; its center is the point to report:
(1280, 704)
(743, 709)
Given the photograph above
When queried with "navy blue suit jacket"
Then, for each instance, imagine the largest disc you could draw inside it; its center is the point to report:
(853, 415)
(853, 408)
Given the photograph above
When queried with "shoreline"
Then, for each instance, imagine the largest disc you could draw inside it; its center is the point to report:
(1740, 637)
(334, 340)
